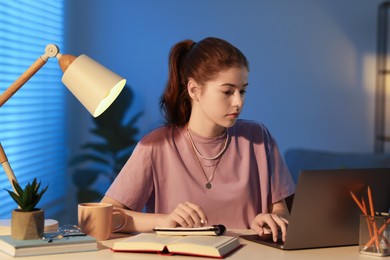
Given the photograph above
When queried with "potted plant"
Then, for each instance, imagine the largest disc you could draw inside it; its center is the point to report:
(27, 222)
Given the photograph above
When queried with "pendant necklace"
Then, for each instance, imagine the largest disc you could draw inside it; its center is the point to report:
(208, 179)
(197, 154)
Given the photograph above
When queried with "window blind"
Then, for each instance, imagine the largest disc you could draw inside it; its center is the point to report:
(32, 122)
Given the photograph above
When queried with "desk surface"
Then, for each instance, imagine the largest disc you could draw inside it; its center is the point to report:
(249, 251)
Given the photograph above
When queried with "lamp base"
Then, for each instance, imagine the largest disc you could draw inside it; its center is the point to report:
(51, 225)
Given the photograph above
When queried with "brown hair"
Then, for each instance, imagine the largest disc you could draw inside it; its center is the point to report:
(201, 61)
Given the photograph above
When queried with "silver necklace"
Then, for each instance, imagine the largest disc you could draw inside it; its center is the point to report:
(196, 153)
(201, 155)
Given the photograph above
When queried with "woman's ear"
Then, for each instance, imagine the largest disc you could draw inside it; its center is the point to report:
(193, 89)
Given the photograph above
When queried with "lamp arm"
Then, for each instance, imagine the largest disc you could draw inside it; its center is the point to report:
(51, 50)
(7, 167)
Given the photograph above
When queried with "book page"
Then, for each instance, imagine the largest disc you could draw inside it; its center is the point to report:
(144, 241)
(204, 245)
(210, 241)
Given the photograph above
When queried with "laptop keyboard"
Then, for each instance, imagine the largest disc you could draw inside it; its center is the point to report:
(268, 237)
(265, 239)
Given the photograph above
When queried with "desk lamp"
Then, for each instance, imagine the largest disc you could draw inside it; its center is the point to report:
(95, 86)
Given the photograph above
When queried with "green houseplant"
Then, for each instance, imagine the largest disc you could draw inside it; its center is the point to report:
(114, 135)
(27, 222)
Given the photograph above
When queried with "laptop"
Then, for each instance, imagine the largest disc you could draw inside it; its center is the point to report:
(323, 213)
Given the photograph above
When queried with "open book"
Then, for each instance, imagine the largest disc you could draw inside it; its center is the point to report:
(207, 246)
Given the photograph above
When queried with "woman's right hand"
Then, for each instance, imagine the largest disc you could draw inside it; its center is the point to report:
(185, 215)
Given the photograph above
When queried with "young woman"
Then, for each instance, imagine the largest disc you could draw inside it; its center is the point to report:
(205, 166)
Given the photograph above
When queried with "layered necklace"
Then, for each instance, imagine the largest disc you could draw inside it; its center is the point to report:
(216, 158)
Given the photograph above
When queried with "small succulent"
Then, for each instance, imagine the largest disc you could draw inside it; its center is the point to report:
(28, 198)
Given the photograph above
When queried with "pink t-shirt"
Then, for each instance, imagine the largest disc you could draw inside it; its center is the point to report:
(163, 172)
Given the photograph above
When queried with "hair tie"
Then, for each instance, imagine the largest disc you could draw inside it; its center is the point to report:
(192, 45)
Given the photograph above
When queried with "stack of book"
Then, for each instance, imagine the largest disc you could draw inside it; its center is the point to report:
(69, 244)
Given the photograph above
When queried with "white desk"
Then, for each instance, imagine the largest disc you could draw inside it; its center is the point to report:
(249, 251)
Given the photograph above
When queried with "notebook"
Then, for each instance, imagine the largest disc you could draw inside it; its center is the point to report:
(323, 213)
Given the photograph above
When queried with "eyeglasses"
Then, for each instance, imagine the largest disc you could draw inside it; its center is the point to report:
(63, 232)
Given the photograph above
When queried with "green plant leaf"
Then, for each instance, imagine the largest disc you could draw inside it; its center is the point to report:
(15, 197)
(36, 186)
(26, 197)
(40, 194)
(17, 187)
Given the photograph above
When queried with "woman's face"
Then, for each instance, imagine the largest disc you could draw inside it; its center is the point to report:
(221, 99)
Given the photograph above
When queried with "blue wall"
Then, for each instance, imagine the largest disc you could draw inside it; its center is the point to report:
(312, 76)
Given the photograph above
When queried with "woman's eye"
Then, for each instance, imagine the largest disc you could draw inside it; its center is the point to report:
(243, 92)
(227, 92)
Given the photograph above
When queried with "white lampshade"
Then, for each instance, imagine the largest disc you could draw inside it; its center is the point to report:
(95, 86)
